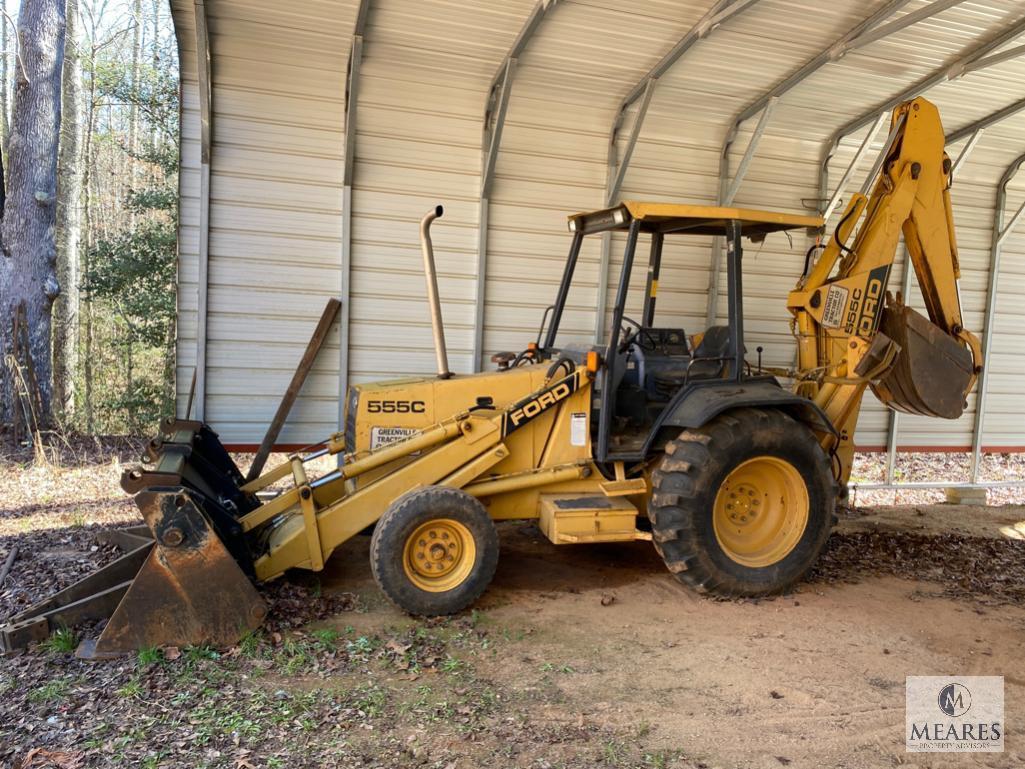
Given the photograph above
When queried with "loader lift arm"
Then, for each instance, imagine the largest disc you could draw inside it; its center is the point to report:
(193, 583)
(851, 333)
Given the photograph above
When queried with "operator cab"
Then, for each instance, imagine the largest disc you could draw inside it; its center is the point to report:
(649, 368)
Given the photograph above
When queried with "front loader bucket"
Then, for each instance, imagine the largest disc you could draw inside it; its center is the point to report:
(189, 591)
(185, 576)
(181, 589)
(932, 373)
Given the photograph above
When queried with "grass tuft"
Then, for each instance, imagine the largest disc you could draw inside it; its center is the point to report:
(327, 638)
(62, 641)
(51, 692)
(150, 655)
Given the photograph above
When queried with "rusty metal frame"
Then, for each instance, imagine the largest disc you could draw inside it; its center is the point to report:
(493, 123)
(616, 167)
(351, 106)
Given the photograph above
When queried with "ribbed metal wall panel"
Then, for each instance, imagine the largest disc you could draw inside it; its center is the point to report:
(426, 69)
(188, 193)
(279, 93)
(278, 73)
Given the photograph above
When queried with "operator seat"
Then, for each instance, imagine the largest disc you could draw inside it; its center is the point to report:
(708, 361)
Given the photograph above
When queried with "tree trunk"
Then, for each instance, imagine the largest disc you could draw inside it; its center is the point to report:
(5, 75)
(69, 192)
(28, 265)
(133, 114)
(87, 227)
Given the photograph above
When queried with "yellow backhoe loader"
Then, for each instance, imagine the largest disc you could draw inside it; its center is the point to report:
(731, 470)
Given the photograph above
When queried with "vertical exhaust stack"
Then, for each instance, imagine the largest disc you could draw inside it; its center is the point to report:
(431, 275)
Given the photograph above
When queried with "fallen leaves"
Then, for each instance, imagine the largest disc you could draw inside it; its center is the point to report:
(976, 568)
(38, 758)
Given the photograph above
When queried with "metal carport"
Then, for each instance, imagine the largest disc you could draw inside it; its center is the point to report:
(315, 135)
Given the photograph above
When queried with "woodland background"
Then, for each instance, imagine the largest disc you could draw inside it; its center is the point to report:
(113, 212)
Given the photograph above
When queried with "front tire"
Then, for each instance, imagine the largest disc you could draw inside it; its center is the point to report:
(743, 506)
(434, 551)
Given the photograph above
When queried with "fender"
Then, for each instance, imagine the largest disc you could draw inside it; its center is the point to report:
(700, 403)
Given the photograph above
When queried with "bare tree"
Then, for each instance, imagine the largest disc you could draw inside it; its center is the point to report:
(5, 73)
(28, 264)
(133, 119)
(69, 191)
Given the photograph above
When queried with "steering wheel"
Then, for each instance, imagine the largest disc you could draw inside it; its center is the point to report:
(638, 334)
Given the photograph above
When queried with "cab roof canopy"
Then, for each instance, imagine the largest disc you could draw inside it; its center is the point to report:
(687, 219)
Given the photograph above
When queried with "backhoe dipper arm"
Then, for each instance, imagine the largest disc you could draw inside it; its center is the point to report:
(847, 339)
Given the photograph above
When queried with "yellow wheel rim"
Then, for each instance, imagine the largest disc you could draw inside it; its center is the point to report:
(761, 511)
(439, 555)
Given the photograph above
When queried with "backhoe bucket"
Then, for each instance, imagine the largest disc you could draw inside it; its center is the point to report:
(932, 373)
(185, 583)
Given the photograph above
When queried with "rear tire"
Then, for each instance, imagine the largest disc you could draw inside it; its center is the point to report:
(434, 551)
(743, 506)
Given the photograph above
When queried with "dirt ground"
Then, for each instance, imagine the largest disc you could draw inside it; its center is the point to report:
(576, 656)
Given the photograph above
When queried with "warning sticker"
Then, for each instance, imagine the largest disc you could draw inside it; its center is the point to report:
(382, 436)
(578, 429)
(836, 302)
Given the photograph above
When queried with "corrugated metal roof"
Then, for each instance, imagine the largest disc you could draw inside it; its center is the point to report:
(279, 112)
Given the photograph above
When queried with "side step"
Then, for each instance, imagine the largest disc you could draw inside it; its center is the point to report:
(573, 519)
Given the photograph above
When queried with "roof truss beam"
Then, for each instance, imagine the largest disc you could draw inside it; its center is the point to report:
(493, 123)
(985, 122)
(352, 80)
(967, 62)
(720, 12)
(869, 30)
(1000, 234)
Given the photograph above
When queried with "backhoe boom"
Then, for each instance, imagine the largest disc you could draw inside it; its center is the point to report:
(851, 333)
